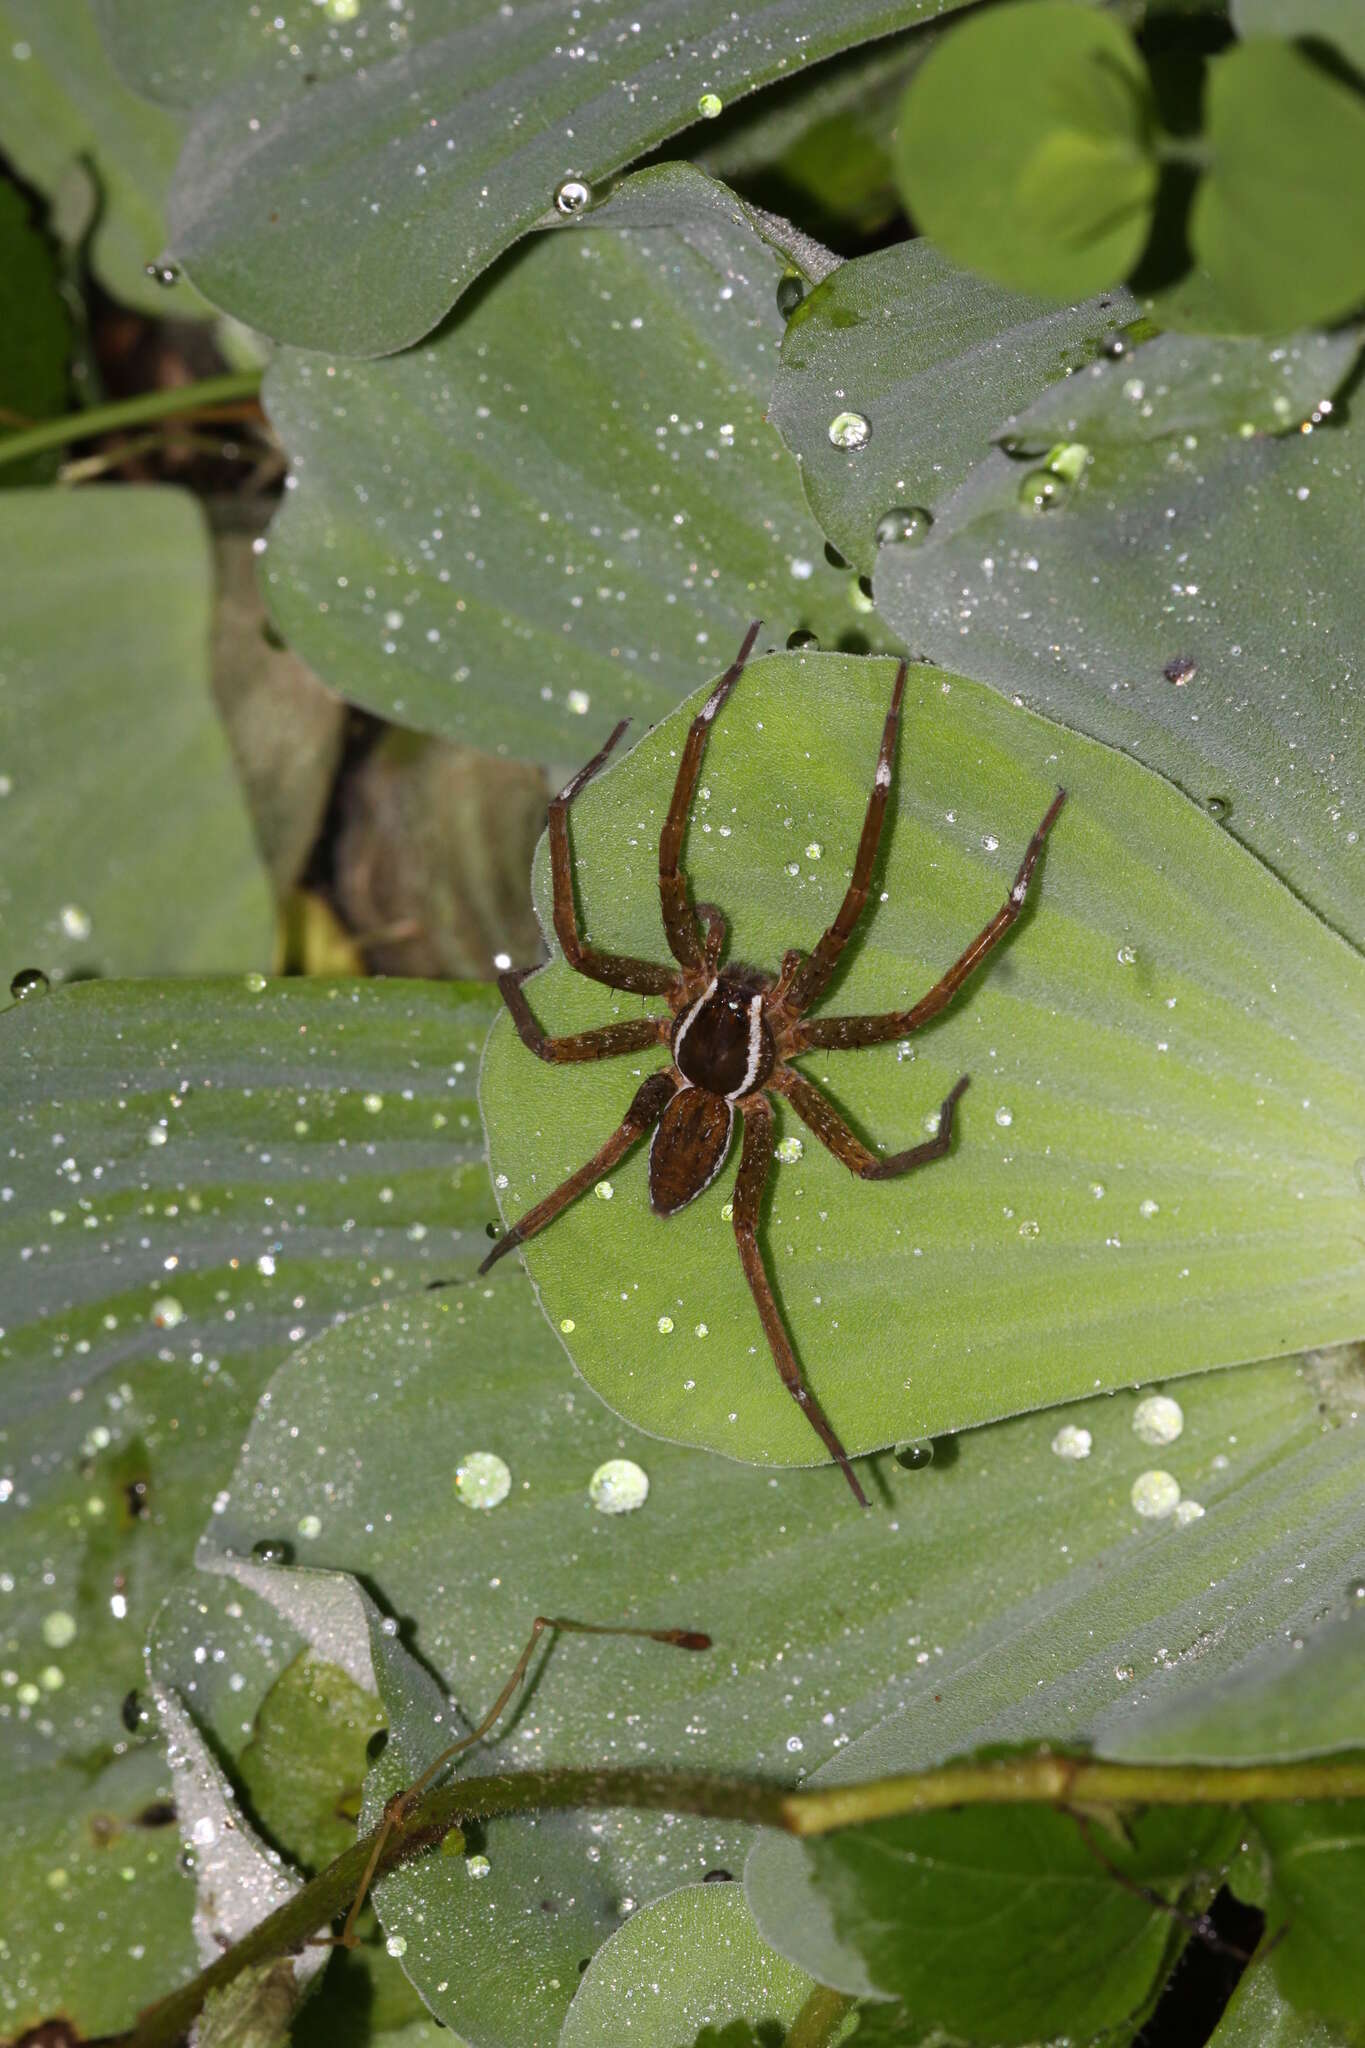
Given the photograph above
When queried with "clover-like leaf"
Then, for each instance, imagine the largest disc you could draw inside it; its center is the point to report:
(1155, 1168)
(468, 553)
(349, 174)
(1025, 147)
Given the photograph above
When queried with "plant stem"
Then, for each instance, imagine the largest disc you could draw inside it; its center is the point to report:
(820, 2018)
(1039, 1780)
(228, 389)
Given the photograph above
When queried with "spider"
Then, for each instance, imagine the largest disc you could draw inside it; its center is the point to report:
(732, 1031)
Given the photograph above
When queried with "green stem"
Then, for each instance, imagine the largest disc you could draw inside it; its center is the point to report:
(228, 389)
(1040, 1780)
(820, 2018)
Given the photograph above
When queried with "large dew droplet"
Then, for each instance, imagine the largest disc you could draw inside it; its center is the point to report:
(618, 1486)
(1158, 1419)
(850, 430)
(903, 526)
(573, 196)
(1155, 1494)
(482, 1479)
(1071, 1441)
(29, 981)
(710, 105)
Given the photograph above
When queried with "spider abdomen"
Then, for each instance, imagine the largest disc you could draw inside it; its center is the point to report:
(688, 1148)
(722, 1042)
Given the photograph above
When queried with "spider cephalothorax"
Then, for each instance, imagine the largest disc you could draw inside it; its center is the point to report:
(731, 1032)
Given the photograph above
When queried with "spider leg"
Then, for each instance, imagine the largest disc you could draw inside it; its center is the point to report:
(632, 1034)
(617, 970)
(651, 1099)
(829, 1127)
(848, 1032)
(714, 920)
(680, 925)
(808, 983)
(754, 1167)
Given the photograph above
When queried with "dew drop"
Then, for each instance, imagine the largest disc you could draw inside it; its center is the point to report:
(573, 196)
(791, 289)
(850, 430)
(710, 105)
(903, 526)
(1148, 1208)
(255, 982)
(913, 1457)
(1028, 1228)
(1004, 1117)
(814, 850)
(29, 981)
(604, 1191)
(568, 1325)
(618, 1486)
(1042, 491)
(397, 1945)
(579, 702)
(157, 1134)
(167, 1312)
(790, 1150)
(162, 272)
(75, 921)
(665, 1326)
(1188, 1511)
(310, 1527)
(477, 1866)
(1154, 1494)
(1356, 1591)
(482, 1479)
(798, 640)
(1071, 1441)
(273, 1550)
(1125, 956)
(1158, 1419)
(59, 1629)
(1218, 808)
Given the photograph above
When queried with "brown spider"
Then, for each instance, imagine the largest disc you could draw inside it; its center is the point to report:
(731, 1031)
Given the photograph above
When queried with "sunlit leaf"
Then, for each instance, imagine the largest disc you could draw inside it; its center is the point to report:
(1155, 1168)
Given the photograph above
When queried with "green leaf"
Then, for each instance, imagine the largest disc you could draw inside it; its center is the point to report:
(194, 1183)
(1024, 148)
(688, 1969)
(1002, 1593)
(35, 332)
(62, 106)
(1010, 1924)
(1317, 1852)
(1197, 606)
(130, 847)
(306, 1760)
(346, 180)
(1189, 384)
(1131, 1194)
(933, 358)
(1338, 22)
(589, 526)
(1278, 221)
(1257, 2016)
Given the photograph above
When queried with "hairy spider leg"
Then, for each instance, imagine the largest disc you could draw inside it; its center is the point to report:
(632, 1034)
(819, 1115)
(755, 1164)
(617, 970)
(397, 1809)
(680, 924)
(649, 1103)
(810, 980)
(848, 1032)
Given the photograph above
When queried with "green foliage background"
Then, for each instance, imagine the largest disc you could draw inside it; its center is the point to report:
(1025, 346)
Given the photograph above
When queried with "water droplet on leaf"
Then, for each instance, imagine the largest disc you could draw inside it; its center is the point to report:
(573, 196)
(618, 1486)
(29, 981)
(903, 526)
(482, 1479)
(850, 430)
